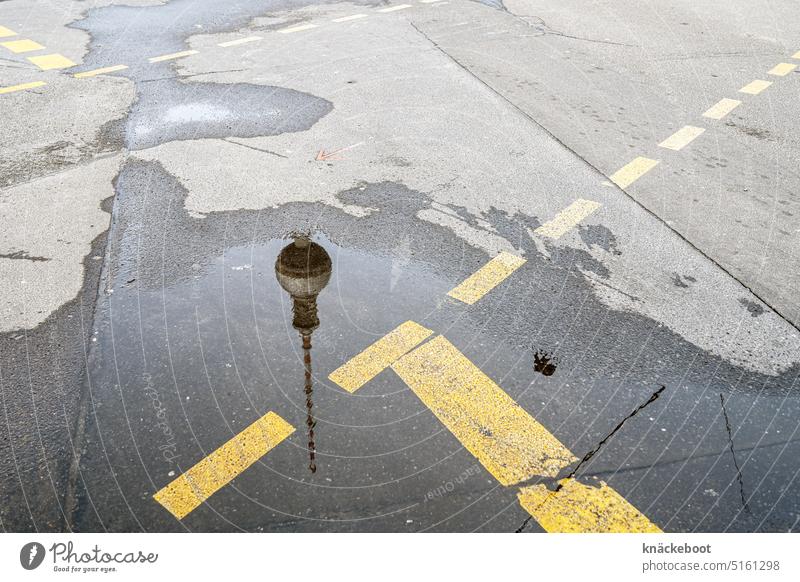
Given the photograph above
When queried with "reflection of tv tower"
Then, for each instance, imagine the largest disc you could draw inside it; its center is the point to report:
(303, 269)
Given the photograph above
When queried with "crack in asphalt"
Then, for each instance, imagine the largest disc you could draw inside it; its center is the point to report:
(733, 454)
(653, 397)
(22, 256)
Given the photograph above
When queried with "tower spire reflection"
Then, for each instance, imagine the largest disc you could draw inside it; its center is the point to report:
(303, 269)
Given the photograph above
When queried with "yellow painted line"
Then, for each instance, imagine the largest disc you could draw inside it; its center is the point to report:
(346, 18)
(15, 88)
(721, 108)
(52, 61)
(383, 353)
(782, 69)
(191, 489)
(504, 438)
(102, 71)
(22, 46)
(171, 56)
(796, 55)
(632, 171)
(681, 138)
(395, 8)
(755, 87)
(292, 29)
(6, 32)
(486, 278)
(579, 508)
(568, 218)
(239, 41)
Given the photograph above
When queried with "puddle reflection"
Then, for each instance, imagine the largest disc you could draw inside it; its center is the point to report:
(303, 269)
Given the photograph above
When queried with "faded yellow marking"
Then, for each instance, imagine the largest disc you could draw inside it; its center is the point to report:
(191, 489)
(171, 56)
(372, 361)
(796, 55)
(101, 71)
(395, 8)
(348, 18)
(22, 87)
(504, 438)
(22, 46)
(755, 87)
(486, 278)
(6, 32)
(292, 29)
(239, 41)
(579, 508)
(782, 69)
(567, 218)
(52, 61)
(632, 171)
(681, 138)
(721, 108)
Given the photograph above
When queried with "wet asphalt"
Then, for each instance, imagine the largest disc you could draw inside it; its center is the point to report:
(191, 340)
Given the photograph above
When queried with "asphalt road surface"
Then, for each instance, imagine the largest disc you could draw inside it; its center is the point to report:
(380, 266)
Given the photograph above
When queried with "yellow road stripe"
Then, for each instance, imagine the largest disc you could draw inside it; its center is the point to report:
(506, 440)
(346, 18)
(681, 138)
(721, 108)
(372, 361)
(567, 218)
(755, 87)
(292, 29)
(22, 46)
(191, 489)
(239, 41)
(15, 88)
(631, 172)
(579, 508)
(101, 71)
(6, 32)
(486, 278)
(796, 55)
(395, 8)
(782, 69)
(171, 56)
(52, 61)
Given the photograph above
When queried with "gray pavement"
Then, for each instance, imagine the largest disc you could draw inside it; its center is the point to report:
(143, 211)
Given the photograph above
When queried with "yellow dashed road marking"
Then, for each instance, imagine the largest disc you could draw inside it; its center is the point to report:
(721, 108)
(755, 87)
(6, 32)
(579, 508)
(15, 88)
(631, 172)
(171, 56)
(506, 440)
(782, 69)
(102, 71)
(681, 138)
(796, 55)
(395, 8)
(372, 361)
(22, 46)
(239, 41)
(346, 18)
(191, 489)
(292, 29)
(53, 61)
(486, 278)
(567, 218)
